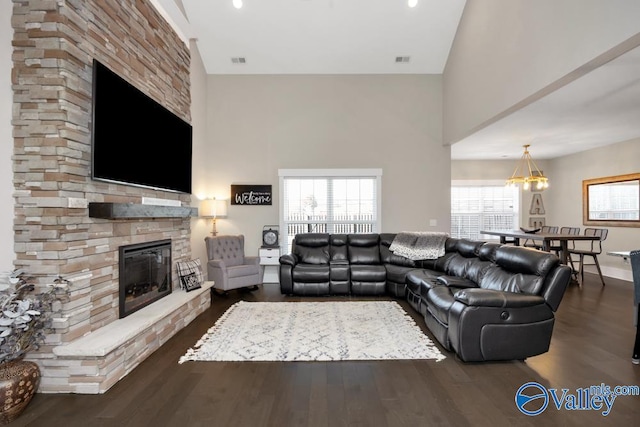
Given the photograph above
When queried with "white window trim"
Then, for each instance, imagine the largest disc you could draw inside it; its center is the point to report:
(491, 182)
(288, 173)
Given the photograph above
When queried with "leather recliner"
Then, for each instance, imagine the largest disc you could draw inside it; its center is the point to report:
(495, 305)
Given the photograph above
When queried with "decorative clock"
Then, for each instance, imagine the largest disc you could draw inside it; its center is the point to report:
(270, 236)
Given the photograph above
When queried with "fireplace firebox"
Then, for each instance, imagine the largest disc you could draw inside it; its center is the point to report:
(145, 274)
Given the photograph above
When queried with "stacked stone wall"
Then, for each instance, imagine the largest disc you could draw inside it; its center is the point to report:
(54, 44)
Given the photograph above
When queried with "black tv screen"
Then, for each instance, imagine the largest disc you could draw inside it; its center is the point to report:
(135, 140)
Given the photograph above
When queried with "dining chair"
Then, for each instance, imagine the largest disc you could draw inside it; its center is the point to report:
(593, 249)
(634, 256)
(555, 245)
(536, 244)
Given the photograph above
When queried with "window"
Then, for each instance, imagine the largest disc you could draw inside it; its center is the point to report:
(612, 201)
(329, 201)
(483, 205)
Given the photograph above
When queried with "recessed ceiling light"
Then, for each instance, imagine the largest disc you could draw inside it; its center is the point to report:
(413, 3)
(238, 3)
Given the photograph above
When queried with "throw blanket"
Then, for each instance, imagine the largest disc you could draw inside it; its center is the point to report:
(419, 245)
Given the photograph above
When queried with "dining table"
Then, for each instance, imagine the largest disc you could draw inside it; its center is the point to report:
(545, 238)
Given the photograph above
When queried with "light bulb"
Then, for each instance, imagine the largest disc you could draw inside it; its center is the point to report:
(413, 3)
(237, 4)
(525, 185)
(540, 185)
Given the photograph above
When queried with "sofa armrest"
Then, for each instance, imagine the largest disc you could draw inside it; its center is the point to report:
(217, 263)
(456, 282)
(492, 298)
(252, 260)
(217, 272)
(289, 259)
(286, 279)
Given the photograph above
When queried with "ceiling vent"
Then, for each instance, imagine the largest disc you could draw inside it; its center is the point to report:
(239, 60)
(402, 59)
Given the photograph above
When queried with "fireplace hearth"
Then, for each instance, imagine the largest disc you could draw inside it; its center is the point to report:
(145, 274)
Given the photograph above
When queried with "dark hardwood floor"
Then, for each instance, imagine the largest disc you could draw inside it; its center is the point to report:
(591, 345)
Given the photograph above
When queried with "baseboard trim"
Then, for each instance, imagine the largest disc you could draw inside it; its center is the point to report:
(613, 272)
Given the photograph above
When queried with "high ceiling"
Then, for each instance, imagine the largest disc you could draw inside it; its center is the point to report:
(366, 36)
(324, 36)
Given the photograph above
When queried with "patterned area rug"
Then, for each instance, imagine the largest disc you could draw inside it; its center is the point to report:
(302, 331)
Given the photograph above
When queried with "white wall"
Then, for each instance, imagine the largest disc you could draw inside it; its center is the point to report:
(259, 124)
(507, 51)
(565, 202)
(7, 254)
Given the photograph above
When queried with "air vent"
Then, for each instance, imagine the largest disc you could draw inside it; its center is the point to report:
(402, 59)
(239, 60)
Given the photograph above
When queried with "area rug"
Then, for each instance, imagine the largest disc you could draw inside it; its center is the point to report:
(322, 331)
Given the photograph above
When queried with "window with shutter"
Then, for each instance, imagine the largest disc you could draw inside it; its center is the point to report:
(483, 205)
(329, 201)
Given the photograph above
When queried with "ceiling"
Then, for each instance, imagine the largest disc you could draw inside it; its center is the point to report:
(365, 37)
(598, 109)
(324, 36)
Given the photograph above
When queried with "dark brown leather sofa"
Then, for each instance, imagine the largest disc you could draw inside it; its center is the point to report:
(484, 301)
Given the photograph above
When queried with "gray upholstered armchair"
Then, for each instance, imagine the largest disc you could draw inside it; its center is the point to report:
(227, 265)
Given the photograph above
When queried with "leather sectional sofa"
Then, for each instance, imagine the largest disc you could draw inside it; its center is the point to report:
(485, 301)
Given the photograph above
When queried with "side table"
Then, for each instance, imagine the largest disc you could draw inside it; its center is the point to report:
(270, 260)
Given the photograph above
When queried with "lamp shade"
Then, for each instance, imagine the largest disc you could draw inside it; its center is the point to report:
(213, 208)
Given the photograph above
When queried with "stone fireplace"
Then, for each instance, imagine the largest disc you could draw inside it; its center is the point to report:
(54, 44)
(145, 275)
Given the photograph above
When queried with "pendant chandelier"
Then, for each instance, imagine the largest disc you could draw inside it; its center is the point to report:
(527, 173)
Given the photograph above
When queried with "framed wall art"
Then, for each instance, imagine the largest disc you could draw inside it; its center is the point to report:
(252, 195)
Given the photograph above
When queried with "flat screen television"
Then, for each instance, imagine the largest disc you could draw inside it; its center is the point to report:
(134, 139)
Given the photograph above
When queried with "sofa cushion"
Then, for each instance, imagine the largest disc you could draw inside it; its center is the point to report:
(388, 257)
(487, 252)
(243, 270)
(458, 265)
(311, 273)
(427, 284)
(397, 273)
(519, 270)
(312, 248)
(457, 282)
(421, 281)
(441, 263)
(414, 279)
(319, 256)
(468, 248)
(364, 249)
(339, 247)
(368, 273)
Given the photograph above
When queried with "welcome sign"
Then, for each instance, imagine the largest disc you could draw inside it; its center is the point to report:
(258, 195)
